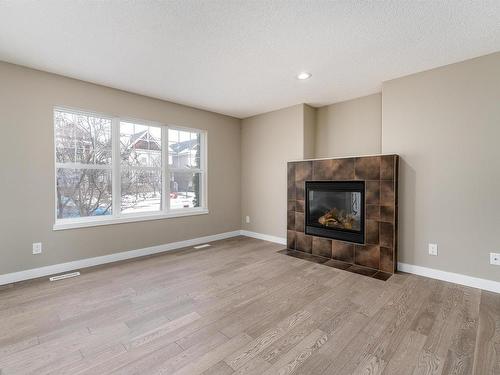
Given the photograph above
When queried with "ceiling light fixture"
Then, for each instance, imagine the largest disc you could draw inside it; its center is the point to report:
(304, 75)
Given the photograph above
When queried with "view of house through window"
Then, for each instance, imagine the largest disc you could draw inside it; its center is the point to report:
(184, 165)
(141, 177)
(156, 169)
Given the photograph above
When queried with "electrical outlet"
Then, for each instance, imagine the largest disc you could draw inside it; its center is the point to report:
(433, 249)
(37, 248)
(247, 219)
(495, 259)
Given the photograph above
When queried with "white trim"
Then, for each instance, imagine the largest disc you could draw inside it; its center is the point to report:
(204, 167)
(457, 278)
(83, 166)
(116, 178)
(265, 237)
(94, 221)
(474, 282)
(82, 112)
(64, 276)
(90, 262)
(165, 176)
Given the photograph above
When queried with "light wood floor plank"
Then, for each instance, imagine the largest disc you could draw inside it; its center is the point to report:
(239, 307)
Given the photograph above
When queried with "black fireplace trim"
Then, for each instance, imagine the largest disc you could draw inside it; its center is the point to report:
(337, 234)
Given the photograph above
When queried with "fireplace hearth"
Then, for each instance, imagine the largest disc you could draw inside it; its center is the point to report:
(335, 209)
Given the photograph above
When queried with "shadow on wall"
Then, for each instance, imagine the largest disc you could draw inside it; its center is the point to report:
(406, 212)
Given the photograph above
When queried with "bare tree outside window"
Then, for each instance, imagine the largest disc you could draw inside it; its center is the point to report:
(83, 160)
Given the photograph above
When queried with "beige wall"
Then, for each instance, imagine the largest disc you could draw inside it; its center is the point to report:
(269, 141)
(445, 124)
(27, 187)
(349, 128)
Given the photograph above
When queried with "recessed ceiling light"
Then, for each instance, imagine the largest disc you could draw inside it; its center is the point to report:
(303, 75)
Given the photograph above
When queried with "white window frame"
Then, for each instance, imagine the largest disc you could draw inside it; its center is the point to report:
(117, 217)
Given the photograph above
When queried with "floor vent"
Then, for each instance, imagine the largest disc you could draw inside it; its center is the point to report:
(65, 276)
(202, 246)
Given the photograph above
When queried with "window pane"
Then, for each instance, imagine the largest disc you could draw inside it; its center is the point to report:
(82, 138)
(185, 190)
(83, 192)
(140, 145)
(141, 190)
(183, 149)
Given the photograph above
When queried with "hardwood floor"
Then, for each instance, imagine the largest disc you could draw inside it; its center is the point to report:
(240, 307)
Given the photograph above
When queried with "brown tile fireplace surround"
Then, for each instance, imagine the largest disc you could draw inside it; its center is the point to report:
(380, 176)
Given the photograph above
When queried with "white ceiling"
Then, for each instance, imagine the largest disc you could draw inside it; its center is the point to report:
(240, 57)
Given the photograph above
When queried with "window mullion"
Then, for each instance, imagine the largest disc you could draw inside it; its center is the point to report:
(187, 170)
(116, 187)
(165, 176)
(203, 166)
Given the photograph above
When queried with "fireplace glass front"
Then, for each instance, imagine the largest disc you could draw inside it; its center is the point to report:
(335, 209)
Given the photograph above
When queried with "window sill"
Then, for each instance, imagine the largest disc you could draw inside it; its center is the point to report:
(132, 218)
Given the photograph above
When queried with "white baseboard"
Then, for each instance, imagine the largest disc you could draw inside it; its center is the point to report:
(490, 285)
(474, 282)
(90, 262)
(265, 237)
(457, 278)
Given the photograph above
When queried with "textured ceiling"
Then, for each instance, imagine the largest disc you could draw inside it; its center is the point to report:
(241, 57)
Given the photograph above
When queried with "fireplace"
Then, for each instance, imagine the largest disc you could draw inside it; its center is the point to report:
(335, 209)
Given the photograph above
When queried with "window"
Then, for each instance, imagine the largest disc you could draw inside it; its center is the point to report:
(184, 168)
(140, 167)
(112, 170)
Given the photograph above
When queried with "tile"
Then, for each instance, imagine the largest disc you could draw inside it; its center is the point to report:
(299, 207)
(367, 168)
(361, 270)
(387, 167)
(367, 255)
(317, 259)
(305, 256)
(291, 205)
(303, 171)
(387, 214)
(322, 170)
(293, 253)
(372, 212)
(303, 242)
(386, 234)
(290, 220)
(343, 169)
(387, 259)
(343, 251)
(300, 190)
(337, 264)
(387, 193)
(384, 276)
(299, 221)
(290, 239)
(372, 192)
(322, 247)
(372, 232)
(291, 181)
